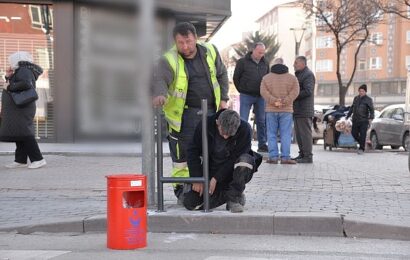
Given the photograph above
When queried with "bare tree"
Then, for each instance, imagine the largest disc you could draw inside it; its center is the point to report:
(350, 22)
(398, 7)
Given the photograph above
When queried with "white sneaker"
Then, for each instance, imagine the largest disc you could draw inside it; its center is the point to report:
(14, 165)
(37, 164)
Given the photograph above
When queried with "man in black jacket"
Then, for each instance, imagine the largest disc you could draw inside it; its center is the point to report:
(247, 78)
(231, 162)
(363, 113)
(303, 110)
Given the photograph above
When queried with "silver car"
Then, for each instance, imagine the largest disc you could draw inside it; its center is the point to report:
(389, 129)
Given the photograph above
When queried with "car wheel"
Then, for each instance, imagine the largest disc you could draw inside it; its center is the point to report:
(394, 147)
(406, 142)
(375, 142)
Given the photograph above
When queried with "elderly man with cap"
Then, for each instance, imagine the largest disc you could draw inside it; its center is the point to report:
(231, 162)
(363, 113)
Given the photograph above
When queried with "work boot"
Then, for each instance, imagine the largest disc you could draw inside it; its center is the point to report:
(305, 160)
(300, 156)
(242, 201)
(263, 149)
(234, 207)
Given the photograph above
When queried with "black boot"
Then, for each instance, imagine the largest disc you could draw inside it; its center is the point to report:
(300, 156)
(305, 160)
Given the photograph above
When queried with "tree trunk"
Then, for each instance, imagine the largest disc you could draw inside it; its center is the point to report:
(342, 95)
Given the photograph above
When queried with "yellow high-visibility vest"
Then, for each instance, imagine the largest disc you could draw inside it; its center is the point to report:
(177, 91)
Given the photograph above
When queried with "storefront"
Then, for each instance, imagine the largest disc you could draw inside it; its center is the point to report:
(85, 47)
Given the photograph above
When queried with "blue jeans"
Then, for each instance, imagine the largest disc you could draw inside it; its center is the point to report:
(246, 102)
(283, 122)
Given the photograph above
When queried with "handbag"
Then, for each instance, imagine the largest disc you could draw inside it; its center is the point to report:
(25, 97)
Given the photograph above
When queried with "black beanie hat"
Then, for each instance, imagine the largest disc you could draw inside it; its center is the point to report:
(364, 87)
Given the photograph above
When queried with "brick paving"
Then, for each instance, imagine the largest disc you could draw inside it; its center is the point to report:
(374, 185)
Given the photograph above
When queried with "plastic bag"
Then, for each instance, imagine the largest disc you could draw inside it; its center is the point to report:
(344, 125)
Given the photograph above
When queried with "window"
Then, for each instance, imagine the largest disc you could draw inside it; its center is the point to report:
(328, 90)
(387, 113)
(324, 66)
(408, 36)
(375, 63)
(43, 58)
(324, 42)
(35, 14)
(403, 86)
(362, 65)
(408, 62)
(398, 111)
(376, 38)
(37, 19)
(385, 88)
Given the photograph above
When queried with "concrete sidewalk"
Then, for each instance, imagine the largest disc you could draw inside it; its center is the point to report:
(341, 194)
(89, 149)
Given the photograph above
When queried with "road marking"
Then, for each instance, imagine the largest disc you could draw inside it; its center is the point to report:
(30, 254)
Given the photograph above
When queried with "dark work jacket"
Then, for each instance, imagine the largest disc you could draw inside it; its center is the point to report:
(248, 75)
(303, 106)
(237, 145)
(17, 122)
(362, 109)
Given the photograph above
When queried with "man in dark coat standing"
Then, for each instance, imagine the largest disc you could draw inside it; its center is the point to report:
(231, 162)
(247, 78)
(303, 108)
(363, 113)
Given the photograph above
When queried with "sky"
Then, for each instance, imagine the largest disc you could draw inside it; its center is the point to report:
(244, 15)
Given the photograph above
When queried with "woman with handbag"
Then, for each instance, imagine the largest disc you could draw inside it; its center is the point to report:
(18, 109)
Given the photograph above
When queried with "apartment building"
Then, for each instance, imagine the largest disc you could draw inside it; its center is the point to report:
(382, 64)
(289, 23)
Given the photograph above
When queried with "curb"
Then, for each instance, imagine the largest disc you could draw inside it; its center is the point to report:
(221, 222)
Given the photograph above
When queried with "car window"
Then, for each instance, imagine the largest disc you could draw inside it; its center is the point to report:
(398, 111)
(387, 113)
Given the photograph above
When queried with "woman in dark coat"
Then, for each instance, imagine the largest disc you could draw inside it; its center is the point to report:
(17, 122)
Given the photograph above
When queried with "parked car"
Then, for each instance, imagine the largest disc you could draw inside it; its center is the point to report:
(389, 129)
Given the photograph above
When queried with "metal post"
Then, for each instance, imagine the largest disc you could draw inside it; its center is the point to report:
(205, 156)
(145, 28)
(160, 168)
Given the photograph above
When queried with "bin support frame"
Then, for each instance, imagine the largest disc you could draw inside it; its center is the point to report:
(205, 163)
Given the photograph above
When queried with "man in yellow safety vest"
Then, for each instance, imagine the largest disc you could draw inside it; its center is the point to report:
(189, 72)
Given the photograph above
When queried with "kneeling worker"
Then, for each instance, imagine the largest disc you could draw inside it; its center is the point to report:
(231, 162)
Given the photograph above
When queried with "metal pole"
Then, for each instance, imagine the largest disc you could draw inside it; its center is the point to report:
(205, 153)
(160, 168)
(145, 29)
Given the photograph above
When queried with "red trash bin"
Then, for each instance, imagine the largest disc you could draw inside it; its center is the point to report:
(126, 211)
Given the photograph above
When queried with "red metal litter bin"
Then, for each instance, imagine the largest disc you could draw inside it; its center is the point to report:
(126, 211)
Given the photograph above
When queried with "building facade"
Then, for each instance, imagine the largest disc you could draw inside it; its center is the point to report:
(288, 22)
(382, 64)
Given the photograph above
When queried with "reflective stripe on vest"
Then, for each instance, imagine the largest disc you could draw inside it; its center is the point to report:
(177, 91)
